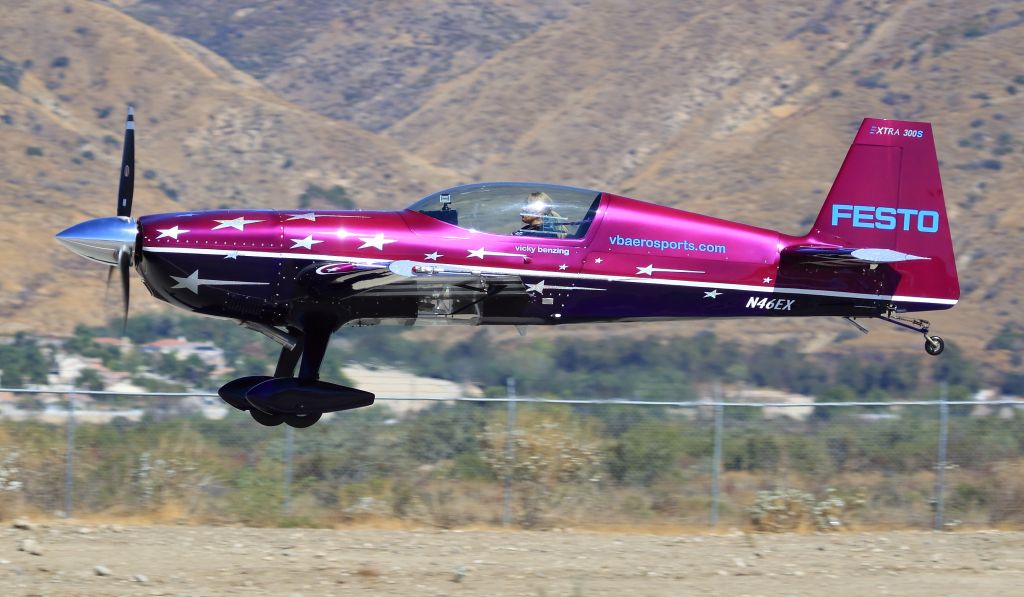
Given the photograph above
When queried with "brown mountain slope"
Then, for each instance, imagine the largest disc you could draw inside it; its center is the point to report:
(746, 112)
(208, 136)
(740, 110)
(367, 62)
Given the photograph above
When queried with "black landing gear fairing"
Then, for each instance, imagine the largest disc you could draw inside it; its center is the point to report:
(298, 401)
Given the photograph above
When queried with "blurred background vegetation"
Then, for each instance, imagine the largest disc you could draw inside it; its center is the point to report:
(581, 465)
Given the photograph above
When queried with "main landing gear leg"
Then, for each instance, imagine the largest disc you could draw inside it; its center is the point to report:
(318, 335)
(933, 345)
(288, 359)
(286, 363)
(313, 349)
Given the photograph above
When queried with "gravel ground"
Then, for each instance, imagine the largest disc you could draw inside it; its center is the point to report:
(68, 559)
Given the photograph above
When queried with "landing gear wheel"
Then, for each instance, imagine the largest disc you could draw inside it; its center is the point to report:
(934, 345)
(302, 421)
(265, 419)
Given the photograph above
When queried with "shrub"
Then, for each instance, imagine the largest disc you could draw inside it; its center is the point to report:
(10, 74)
(784, 510)
(336, 196)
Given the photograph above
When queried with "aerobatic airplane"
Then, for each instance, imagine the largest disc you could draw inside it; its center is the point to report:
(534, 254)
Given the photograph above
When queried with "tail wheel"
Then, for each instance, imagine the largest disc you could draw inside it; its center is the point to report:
(266, 419)
(302, 421)
(934, 345)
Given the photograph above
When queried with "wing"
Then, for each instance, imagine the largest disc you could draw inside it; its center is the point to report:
(407, 278)
(417, 278)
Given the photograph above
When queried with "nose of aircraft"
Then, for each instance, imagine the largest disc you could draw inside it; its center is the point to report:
(100, 239)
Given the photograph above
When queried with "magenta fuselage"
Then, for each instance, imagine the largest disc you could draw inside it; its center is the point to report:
(636, 261)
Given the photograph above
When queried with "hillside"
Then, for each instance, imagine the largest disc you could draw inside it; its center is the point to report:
(747, 115)
(208, 136)
(367, 62)
(737, 110)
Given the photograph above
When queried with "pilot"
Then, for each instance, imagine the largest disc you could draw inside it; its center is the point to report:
(539, 218)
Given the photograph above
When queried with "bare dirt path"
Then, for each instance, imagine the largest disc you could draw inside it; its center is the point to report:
(130, 560)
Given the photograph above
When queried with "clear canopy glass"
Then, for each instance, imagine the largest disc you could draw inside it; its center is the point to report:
(514, 208)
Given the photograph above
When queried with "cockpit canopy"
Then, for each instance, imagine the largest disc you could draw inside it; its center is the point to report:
(514, 208)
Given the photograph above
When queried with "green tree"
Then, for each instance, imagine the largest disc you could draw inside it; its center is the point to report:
(647, 453)
(23, 362)
(444, 432)
(89, 379)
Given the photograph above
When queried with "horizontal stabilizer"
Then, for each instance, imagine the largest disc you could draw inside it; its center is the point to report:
(846, 256)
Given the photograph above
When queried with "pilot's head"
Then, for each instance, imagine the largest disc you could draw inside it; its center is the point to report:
(537, 204)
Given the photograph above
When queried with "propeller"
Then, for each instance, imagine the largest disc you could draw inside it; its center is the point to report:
(126, 188)
(111, 240)
(125, 193)
(124, 263)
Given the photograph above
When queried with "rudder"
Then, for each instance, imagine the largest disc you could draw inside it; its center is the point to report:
(888, 195)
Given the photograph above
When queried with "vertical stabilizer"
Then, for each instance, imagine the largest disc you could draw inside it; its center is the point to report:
(888, 195)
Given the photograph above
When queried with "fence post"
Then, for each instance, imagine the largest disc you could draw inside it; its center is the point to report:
(716, 459)
(289, 445)
(69, 459)
(940, 475)
(510, 386)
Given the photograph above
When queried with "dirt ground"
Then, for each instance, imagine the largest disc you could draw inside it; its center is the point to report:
(78, 559)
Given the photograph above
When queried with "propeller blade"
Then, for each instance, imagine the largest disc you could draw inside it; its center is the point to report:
(126, 189)
(124, 263)
(110, 276)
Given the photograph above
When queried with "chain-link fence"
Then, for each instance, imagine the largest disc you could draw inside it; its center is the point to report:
(527, 463)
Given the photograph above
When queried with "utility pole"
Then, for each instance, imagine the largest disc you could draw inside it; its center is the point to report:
(289, 448)
(510, 387)
(69, 459)
(940, 473)
(716, 459)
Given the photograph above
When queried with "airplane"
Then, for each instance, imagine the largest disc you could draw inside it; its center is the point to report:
(510, 253)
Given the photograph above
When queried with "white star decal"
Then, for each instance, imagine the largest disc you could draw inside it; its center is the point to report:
(231, 255)
(238, 223)
(541, 286)
(650, 269)
(193, 282)
(713, 294)
(171, 232)
(376, 241)
(563, 267)
(312, 216)
(598, 260)
(482, 251)
(538, 287)
(767, 281)
(305, 243)
(432, 256)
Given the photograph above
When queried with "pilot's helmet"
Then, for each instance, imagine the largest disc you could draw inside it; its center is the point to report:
(537, 204)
